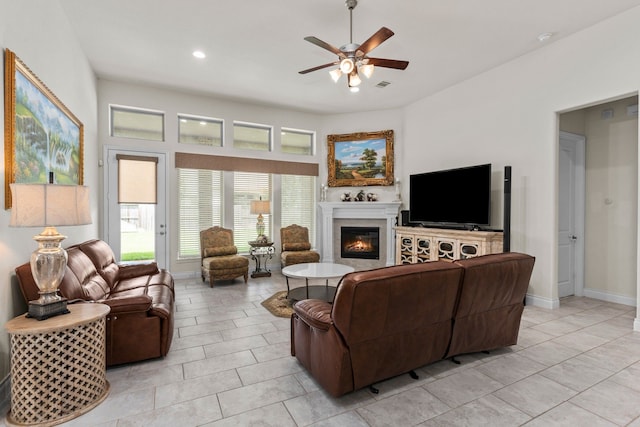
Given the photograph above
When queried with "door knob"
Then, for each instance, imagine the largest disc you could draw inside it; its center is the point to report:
(573, 237)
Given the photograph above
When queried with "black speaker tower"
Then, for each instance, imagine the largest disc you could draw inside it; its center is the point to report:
(506, 237)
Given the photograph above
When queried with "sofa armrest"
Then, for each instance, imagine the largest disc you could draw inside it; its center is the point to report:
(128, 304)
(315, 313)
(127, 271)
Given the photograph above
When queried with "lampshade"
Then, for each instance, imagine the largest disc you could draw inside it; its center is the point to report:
(49, 204)
(260, 207)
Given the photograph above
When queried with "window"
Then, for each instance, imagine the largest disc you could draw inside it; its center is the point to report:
(199, 130)
(298, 202)
(247, 187)
(251, 137)
(200, 207)
(130, 122)
(297, 141)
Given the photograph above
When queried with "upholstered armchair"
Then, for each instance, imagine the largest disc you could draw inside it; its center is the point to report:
(296, 248)
(220, 259)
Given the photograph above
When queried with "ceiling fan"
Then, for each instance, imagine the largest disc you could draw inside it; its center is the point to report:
(352, 57)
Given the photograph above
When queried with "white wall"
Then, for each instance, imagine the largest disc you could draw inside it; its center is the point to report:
(508, 116)
(38, 33)
(611, 206)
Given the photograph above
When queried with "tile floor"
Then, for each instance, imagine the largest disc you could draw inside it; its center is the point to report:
(229, 365)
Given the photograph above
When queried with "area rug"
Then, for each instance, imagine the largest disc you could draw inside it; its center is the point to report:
(278, 304)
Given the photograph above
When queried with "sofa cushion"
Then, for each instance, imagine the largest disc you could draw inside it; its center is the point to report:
(81, 279)
(296, 246)
(225, 262)
(220, 251)
(103, 258)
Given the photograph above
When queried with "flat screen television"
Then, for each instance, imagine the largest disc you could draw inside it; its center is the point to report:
(457, 198)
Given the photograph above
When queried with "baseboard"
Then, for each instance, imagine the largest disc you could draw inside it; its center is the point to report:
(185, 275)
(5, 395)
(609, 297)
(542, 302)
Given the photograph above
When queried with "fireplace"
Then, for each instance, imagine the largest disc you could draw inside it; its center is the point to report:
(360, 242)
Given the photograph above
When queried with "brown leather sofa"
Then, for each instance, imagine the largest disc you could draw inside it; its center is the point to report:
(141, 297)
(389, 321)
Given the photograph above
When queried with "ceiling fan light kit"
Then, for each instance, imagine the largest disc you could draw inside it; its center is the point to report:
(352, 57)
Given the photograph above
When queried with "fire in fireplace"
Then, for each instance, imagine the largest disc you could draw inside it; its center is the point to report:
(360, 242)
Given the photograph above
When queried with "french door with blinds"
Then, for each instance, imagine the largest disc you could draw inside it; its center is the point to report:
(135, 205)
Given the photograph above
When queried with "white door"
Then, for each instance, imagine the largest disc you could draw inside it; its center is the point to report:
(136, 231)
(571, 181)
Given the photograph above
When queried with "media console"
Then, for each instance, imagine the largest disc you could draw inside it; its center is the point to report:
(417, 244)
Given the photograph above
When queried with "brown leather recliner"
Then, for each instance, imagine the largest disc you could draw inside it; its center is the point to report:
(383, 323)
(491, 302)
(389, 321)
(141, 298)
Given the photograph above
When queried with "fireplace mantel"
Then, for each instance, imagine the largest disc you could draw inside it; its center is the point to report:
(358, 210)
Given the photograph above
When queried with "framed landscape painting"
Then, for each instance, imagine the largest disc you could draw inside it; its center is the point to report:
(360, 159)
(43, 139)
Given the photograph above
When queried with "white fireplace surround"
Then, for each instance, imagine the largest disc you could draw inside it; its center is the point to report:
(358, 210)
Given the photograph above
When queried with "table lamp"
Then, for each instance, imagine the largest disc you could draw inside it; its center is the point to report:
(260, 207)
(49, 205)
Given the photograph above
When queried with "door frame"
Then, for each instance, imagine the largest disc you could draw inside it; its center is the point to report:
(579, 179)
(163, 263)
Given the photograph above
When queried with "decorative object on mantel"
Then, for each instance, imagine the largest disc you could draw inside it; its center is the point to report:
(372, 197)
(360, 159)
(49, 205)
(360, 196)
(323, 193)
(345, 197)
(42, 136)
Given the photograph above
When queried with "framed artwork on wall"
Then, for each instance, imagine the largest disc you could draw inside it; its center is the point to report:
(360, 159)
(43, 139)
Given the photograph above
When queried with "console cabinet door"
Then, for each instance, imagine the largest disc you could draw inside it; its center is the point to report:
(416, 245)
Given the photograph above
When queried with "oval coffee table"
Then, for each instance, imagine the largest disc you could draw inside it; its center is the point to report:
(314, 270)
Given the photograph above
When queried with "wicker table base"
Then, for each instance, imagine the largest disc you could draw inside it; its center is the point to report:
(58, 366)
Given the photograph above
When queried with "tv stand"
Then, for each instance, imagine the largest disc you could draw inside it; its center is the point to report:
(418, 244)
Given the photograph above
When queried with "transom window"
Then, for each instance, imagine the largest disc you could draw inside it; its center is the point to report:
(297, 141)
(248, 136)
(200, 130)
(129, 122)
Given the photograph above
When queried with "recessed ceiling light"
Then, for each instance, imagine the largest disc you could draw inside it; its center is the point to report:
(199, 54)
(544, 37)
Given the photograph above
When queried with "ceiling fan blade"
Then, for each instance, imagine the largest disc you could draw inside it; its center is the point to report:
(325, 45)
(319, 67)
(374, 41)
(389, 63)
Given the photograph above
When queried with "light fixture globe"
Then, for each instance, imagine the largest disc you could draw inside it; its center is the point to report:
(347, 65)
(335, 74)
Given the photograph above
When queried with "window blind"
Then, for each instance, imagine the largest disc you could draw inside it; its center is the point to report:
(298, 202)
(137, 177)
(247, 187)
(200, 207)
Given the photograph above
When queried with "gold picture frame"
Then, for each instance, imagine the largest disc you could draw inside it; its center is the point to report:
(360, 159)
(43, 139)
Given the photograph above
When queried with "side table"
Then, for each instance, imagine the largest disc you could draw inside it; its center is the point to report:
(58, 365)
(261, 252)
